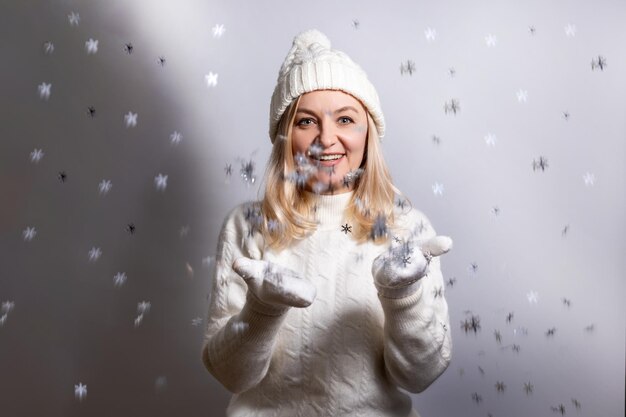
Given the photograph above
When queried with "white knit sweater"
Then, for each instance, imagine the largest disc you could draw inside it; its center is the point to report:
(344, 355)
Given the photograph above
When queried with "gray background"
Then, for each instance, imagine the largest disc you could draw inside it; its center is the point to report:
(553, 235)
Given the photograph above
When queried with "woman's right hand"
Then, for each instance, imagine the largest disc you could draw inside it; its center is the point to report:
(273, 284)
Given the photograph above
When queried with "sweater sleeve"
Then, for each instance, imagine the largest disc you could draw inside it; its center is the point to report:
(240, 332)
(417, 344)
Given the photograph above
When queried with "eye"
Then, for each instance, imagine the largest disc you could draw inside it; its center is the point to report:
(302, 121)
(346, 118)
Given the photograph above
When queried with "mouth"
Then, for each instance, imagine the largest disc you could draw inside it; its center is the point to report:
(326, 157)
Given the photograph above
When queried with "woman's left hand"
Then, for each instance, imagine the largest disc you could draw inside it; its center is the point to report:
(397, 271)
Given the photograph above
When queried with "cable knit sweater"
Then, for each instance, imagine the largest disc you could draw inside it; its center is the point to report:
(350, 350)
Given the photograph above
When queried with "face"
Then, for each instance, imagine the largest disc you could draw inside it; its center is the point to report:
(329, 138)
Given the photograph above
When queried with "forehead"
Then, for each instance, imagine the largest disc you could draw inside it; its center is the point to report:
(329, 99)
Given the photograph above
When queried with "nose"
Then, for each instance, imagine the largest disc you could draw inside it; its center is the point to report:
(327, 136)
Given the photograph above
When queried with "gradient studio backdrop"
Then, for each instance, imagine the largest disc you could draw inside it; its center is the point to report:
(119, 118)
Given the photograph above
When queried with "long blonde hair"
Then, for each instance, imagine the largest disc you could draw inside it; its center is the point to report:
(287, 210)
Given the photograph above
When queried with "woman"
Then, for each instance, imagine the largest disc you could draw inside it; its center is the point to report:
(328, 294)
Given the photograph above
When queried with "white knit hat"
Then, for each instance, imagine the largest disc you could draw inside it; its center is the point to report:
(312, 65)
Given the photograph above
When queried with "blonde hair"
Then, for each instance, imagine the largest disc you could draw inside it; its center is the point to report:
(287, 210)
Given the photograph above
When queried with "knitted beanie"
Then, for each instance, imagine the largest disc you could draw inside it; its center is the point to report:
(312, 65)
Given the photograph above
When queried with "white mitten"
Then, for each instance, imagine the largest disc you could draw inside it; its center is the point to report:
(274, 285)
(397, 271)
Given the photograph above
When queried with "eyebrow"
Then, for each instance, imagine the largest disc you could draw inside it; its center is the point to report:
(301, 110)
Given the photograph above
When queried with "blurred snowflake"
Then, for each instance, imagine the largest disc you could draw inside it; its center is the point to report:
(44, 90)
(409, 67)
(73, 18)
(160, 181)
(128, 47)
(161, 61)
(589, 178)
(247, 172)
(48, 47)
(29, 233)
(437, 188)
(355, 24)
(131, 119)
(91, 46)
(541, 163)
(104, 186)
(218, 31)
(211, 79)
(119, 279)
(430, 34)
(196, 321)
(533, 297)
(452, 107)
(522, 95)
(36, 155)
(94, 254)
(490, 139)
(175, 138)
(160, 383)
(491, 40)
(80, 391)
(570, 30)
(598, 63)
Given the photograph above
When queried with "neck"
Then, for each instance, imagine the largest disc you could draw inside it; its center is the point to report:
(330, 208)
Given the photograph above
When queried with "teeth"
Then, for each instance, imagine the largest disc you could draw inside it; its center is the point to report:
(329, 157)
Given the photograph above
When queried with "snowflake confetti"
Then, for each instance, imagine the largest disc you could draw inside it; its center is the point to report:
(589, 179)
(94, 254)
(600, 62)
(211, 79)
(247, 172)
(104, 186)
(48, 47)
(522, 95)
(409, 67)
(80, 391)
(29, 233)
(184, 231)
(430, 34)
(532, 297)
(196, 321)
(490, 139)
(119, 279)
(129, 48)
(437, 188)
(91, 46)
(73, 18)
(570, 30)
(160, 181)
(130, 119)
(491, 40)
(452, 107)
(218, 31)
(36, 155)
(175, 138)
(44, 90)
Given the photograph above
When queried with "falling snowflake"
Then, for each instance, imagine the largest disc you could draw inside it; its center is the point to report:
(490, 139)
(541, 163)
(184, 231)
(528, 388)
(239, 326)
(8, 306)
(129, 48)
(36, 155)
(80, 391)
(161, 61)
(218, 31)
(409, 67)
(452, 107)
(437, 188)
(533, 297)
(532, 30)
(500, 387)
(598, 63)
(48, 47)
(29, 233)
(211, 79)
(74, 18)
(196, 321)
(91, 111)
(346, 228)
(570, 30)
(44, 90)
(119, 279)
(131, 119)
(94, 254)
(589, 178)
(91, 46)
(522, 95)
(491, 40)
(430, 34)
(379, 229)
(104, 186)
(143, 307)
(355, 24)
(130, 228)
(247, 172)
(175, 138)
(160, 181)
(3, 319)
(138, 320)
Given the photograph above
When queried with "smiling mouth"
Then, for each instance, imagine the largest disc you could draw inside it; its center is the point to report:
(328, 157)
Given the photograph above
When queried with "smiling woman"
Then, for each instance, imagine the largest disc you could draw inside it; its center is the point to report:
(328, 294)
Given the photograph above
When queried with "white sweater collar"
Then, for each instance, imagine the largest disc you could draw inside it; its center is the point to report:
(330, 208)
